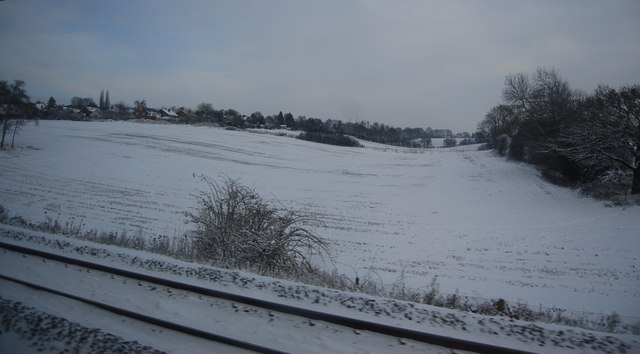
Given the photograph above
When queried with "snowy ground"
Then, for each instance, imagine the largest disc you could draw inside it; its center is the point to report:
(247, 323)
(262, 327)
(483, 226)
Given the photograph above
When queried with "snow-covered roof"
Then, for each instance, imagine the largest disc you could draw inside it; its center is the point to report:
(169, 113)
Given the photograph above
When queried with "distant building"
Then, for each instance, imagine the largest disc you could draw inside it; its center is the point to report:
(91, 112)
(442, 133)
(168, 114)
(188, 117)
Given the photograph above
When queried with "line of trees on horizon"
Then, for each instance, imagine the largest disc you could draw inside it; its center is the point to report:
(589, 139)
(577, 138)
(375, 132)
(84, 108)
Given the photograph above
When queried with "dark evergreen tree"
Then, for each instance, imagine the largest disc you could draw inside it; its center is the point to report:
(280, 119)
(289, 121)
(101, 103)
(51, 103)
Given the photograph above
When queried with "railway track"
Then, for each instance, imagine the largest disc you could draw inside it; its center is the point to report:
(356, 325)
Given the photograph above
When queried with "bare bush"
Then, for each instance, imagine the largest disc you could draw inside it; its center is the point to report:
(612, 185)
(235, 226)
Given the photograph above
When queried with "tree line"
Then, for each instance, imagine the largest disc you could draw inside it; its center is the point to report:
(574, 136)
(375, 132)
(327, 131)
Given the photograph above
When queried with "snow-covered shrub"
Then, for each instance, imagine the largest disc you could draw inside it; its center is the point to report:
(449, 142)
(612, 185)
(235, 226)
(613, 321)
(503, 144)
(521, 311)
(466, 141)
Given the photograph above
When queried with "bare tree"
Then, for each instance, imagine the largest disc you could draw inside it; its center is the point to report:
(121, 107)
(554, 99)
(205, 110)
(500, 119)
(449, 142)
(543, 95)
(140, 109)
(79, 102)
(233, 118)
(607, 134)
(574, 136)
(542, 103)
(5, 109)
(15, 108)
(518, 92)
(28, 111)
(257, 118)
(122, 111)
(76, 101)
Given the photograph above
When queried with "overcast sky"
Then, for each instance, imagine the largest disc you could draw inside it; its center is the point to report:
(438, 64)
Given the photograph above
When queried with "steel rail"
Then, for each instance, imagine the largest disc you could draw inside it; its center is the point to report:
(430, 338)
(149, 319)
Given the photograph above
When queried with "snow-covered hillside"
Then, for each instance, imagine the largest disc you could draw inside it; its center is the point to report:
(481, 225)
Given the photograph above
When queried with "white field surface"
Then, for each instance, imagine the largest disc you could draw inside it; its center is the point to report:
(485, 227)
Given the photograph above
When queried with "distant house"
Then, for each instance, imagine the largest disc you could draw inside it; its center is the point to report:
(141, 113)
(71, 109)
(188, 117)
(153, 113)
(91, 112)
(442, 133)
(168, 114)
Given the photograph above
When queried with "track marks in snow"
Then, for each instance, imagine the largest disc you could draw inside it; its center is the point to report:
(484, 225)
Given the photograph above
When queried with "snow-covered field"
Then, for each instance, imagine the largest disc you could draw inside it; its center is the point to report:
(481, 225)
